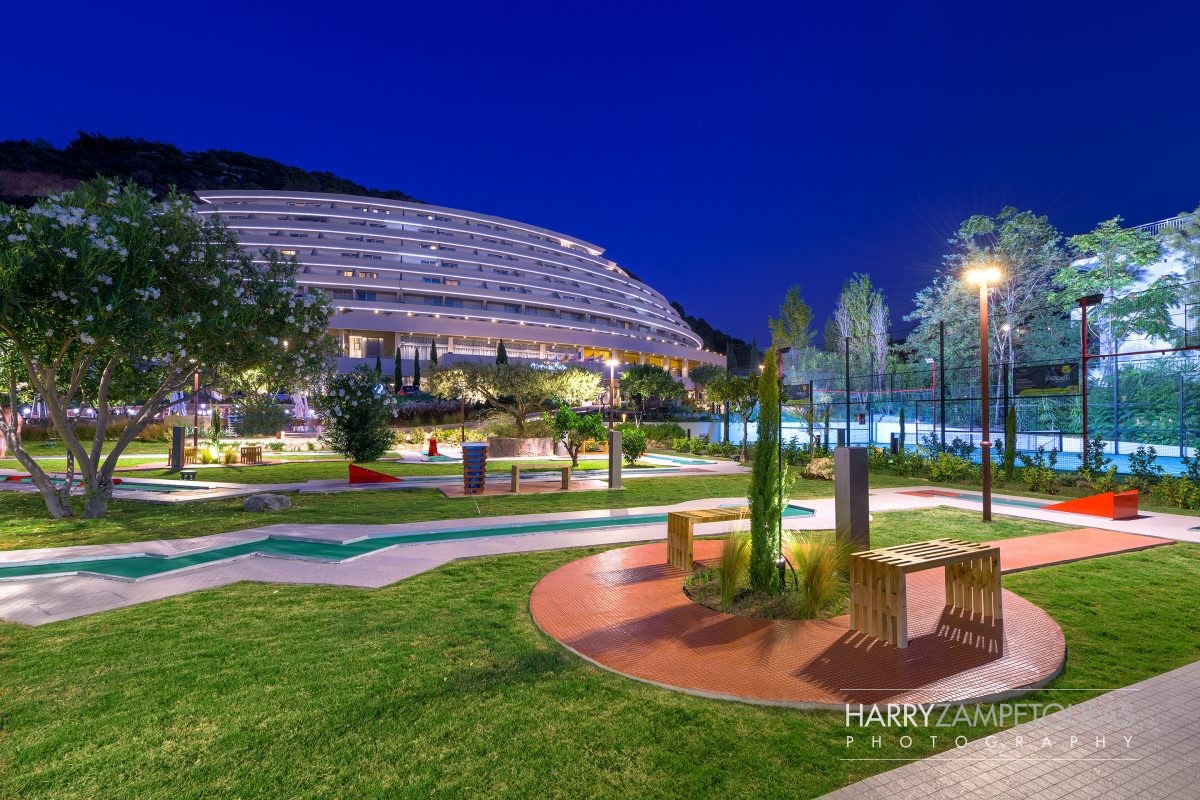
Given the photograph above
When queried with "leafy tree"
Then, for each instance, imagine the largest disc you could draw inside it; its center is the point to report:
(1185, 243)
(214, 427)
(259, 415)
(1116, 259)
(515, 389)
(633, 444)
(705, 374)
(793, 327)
(501, 353)
(108, 297)
(1030, 252)
(573, 430)
(766, 504)
(861, 315)
(644, 381)
(397, 372)
(416, 368)
(741, 393)
(433, 353)
(357, 414)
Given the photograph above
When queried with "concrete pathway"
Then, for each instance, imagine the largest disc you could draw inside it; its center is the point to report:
(1142, 741)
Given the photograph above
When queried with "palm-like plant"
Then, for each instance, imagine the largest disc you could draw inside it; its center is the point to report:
(821, 561)
(732, 568)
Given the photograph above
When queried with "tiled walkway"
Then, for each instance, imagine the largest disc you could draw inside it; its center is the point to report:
(625, 610)
(1160, 717)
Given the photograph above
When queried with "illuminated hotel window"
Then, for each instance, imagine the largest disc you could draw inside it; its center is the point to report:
(287, 252)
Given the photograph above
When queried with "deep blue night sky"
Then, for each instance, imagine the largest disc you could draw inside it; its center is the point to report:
(721, 151)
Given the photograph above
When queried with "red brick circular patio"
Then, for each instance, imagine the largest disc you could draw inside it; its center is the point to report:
(625, 610)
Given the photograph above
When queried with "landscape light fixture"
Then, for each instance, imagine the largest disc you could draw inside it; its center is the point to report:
(981, 275)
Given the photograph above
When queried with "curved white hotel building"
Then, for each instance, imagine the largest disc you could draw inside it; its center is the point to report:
(405, 275)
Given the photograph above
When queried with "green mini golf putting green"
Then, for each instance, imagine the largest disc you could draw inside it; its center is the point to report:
(144, 565)
(123, 485)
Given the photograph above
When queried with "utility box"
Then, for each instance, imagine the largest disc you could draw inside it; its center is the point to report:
(178, 435)
(852, 505)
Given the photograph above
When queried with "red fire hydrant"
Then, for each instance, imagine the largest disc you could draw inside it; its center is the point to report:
(432, 446)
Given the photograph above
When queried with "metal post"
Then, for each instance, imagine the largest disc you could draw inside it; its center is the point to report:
(462, 418)
(812, 412)
(196, 408)
(1116, 393)
(985, 444)
(1083, 371)
(1006, 367)
(870, 395)
(941, 376)
(1182, 440)
(847, 390)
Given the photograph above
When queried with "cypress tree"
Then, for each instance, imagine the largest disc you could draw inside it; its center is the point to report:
(416, 368)
(902, 429)
(397, 372)
(433, 353)
(1010, 443)
(765, 501)
(378, 366)
(501, 353)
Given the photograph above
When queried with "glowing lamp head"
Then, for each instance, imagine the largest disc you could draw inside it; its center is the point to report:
(983, 274)
(612, 362)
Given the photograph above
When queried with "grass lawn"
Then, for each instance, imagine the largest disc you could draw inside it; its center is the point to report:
(441, 686)
(24, 524)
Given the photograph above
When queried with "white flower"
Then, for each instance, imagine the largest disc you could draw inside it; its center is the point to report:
(17, 237)
(102, 278)
(83, 337)
(172, 249)
(69, 253)
(109, 308)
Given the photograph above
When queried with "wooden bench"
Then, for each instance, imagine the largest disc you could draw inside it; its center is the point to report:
(879, 596)
(251, 454)
(680, 525)
(515, 482)
(189, 455)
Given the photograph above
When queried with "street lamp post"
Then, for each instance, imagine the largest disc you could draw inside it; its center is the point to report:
(782, 500)
(612, 390)
(196, 409)
(1084, 302)
(982, 276)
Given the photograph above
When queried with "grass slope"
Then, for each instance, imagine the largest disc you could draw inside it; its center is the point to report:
(441, 686)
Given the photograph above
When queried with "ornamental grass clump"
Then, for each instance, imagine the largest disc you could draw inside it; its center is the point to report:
(732, 567)
(821, 562)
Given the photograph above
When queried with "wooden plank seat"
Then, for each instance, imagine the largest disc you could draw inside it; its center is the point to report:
(878, 593)
(680, 527)
(189, 455)
(251, 454)
(515, 480)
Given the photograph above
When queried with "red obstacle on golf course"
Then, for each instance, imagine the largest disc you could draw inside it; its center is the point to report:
(363, 475)
(1113, 505)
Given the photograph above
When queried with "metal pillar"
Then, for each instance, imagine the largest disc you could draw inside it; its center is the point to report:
(847, 375)
(941, 376)
(986, 443)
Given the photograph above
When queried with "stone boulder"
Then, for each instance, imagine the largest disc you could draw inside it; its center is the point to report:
(509, 447)
(267, 502)
(819, 469)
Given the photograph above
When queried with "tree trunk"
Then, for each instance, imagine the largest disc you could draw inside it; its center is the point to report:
(96, 504)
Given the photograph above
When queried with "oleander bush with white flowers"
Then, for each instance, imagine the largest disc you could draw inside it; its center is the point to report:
(110, 296)
(356, 411)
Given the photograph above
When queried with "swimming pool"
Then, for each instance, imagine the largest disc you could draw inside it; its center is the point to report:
(144, 565)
